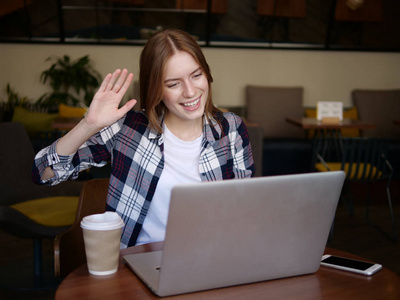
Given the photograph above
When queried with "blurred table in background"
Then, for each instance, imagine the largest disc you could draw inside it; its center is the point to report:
(311, 123)
(65, 123)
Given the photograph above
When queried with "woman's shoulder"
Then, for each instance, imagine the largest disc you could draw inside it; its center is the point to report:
(136, 115)
(229, 119)
(226, 123)
(136, 118)
(133, 120)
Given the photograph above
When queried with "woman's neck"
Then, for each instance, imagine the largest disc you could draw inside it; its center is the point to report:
(186, 130)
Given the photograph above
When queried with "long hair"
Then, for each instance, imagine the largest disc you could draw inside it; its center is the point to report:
(153, 59)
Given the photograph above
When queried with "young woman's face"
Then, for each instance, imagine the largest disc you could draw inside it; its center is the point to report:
(185, 88)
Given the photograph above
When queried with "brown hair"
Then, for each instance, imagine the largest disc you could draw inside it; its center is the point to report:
(153, 59)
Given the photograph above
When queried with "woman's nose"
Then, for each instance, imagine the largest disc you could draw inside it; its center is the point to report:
(189, 90)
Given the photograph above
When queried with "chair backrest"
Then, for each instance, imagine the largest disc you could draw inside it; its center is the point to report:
(269, 106)
(69, 248)
(285, 8)
(256, 141)
(16, 158)
(380, 107)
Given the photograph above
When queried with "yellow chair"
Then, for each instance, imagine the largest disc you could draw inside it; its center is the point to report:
(28, 210)
(363, 160)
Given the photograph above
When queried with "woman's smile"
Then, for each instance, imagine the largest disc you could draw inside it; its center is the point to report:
(193, 104)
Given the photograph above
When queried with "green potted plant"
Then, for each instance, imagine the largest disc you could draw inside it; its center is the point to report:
(73, 82)
(13, 101)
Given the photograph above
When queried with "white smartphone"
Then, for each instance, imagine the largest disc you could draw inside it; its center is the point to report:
(351, 265)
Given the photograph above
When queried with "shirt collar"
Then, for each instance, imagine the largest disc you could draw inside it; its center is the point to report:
(211, 131)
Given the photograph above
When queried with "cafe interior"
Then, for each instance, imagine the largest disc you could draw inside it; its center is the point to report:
(316, 82)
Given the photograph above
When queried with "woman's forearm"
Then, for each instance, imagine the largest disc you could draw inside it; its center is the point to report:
(48, 173)
(70, 143)
(74, 138)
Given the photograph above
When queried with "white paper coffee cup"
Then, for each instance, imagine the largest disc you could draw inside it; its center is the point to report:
(102, 236)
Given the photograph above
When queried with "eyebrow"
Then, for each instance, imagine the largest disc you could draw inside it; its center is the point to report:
(174, 79)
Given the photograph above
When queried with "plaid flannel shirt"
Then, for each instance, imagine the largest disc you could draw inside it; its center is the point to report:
(136, 155)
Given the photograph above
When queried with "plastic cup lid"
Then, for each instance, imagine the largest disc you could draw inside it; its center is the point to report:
(105, 221)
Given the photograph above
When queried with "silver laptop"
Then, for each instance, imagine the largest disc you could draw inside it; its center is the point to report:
(241, 231)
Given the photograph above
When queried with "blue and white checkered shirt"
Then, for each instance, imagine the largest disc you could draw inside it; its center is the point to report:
(136, 155)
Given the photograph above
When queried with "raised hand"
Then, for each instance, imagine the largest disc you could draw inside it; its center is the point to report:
(104, 109)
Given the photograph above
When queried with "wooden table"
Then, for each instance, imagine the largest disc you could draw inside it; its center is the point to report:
(65, 123)
(312, 123)
(326, 283)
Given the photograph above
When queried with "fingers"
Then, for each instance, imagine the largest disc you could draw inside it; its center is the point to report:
(128, 106)
(126, 83)
(125, 108)
(121, 81)
(118, 81)
(114, 77)
(105, 82)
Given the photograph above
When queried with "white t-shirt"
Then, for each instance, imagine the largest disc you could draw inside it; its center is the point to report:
(181, 165)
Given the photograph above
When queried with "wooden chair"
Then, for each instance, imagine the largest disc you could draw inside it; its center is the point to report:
(282, 8)
(363, 160)
(352, 18)
(280, 12)
(69, 249)
(217, 7)
(369, 11)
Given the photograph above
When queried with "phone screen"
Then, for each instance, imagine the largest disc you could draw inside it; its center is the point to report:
(349, 263)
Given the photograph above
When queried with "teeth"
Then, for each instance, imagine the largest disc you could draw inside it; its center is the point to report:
(191, 104)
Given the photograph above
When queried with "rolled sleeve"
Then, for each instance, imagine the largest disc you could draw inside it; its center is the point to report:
(60, 165)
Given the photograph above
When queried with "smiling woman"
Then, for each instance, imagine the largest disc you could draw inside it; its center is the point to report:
(179, 137)
(173, 67)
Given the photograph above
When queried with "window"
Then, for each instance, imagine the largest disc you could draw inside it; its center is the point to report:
(292, 24)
